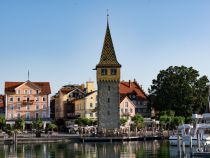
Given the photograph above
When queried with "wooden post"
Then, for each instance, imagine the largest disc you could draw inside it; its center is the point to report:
(190, 144)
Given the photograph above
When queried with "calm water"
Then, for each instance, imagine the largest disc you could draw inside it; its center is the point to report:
(147, 149)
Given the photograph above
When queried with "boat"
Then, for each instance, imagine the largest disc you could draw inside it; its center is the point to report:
(186, 132)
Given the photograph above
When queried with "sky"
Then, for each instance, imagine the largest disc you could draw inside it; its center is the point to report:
(61, 41)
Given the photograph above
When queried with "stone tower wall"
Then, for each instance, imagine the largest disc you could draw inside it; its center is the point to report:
(108, 105)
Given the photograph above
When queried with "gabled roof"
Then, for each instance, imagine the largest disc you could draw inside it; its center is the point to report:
(108, 57)
(125, 97)
(44, 86)
(132, 87)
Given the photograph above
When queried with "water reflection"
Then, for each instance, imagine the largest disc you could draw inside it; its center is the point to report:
(88, 150)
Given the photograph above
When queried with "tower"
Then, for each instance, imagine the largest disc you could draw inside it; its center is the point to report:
(108, 78)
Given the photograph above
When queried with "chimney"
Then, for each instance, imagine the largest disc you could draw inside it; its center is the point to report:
(129, 83)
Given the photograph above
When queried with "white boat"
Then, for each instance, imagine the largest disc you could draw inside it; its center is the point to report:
(187, 131)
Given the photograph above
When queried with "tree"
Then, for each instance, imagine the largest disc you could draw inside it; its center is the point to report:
(179, 89)
(52, 127)
(38, 124)
(2, 122)
(138, 120)
(20, 124)
(123, 121)
(84, 121)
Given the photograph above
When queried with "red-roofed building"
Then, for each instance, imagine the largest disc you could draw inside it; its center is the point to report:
(64, 101)
(135, 93)
(27, 100)
(2, 105)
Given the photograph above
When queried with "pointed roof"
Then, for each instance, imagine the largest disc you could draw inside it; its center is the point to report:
(108, 57)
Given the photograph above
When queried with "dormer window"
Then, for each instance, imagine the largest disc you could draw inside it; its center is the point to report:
(18, 91)
(113, 71)
(25, 91)
(103, 71)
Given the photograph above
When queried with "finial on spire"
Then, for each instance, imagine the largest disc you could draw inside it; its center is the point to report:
(107, 16)
(28, 75)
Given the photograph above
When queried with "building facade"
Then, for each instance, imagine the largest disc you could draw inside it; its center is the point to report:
(63, 101)
(108, 78)
(27, 100)
(2, 105)
(86, 107)
(127, 109)
(134, 92)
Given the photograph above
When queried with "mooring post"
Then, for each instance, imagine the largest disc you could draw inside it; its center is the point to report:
(190, 144)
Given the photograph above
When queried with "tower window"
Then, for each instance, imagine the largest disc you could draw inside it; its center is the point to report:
(113, 71)
(108, 88)
(108, 113)
(108, 100)
(103, 71)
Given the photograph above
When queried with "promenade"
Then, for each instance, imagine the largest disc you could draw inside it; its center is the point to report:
(63, 137)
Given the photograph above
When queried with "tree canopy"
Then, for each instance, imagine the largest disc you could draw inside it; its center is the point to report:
(180, 89)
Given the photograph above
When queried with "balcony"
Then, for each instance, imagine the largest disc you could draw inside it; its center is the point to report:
(126, 114)
(30, 102)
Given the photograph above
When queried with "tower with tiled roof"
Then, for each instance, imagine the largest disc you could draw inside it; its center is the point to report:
(108, 78)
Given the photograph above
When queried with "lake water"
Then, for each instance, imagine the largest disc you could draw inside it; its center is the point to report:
(138, 149)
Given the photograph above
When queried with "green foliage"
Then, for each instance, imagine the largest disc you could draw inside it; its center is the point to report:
(138, 120)
(168, 120)
(52, 126)
(177, 120)
(84, 121)
(38, 124)
(179, 89)
(2, 122)
(20, 124)
(123, 121)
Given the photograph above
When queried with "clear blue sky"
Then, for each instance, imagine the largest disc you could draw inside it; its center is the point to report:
(61, 41)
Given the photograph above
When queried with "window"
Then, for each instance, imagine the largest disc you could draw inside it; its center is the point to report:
(103, 72)
(37, 91)
(30, 91)
(108, 88)
(44, 115)
(91, 105)
(126, 110)
(37, 115)
(126, 104)
(27, 115)
(108, 112)
(44, 99)
(27, 107)
(18, 92)
(11, 99)
(18, 99)
(91, 114)
(37, 99)
(44, 107)
(108, 100)
(37, 107)
(25, 91)
(113, 71)
(18, 115)
(11, 115)
(11, 107)
(18, 106)
(122, 110)
(131, 110)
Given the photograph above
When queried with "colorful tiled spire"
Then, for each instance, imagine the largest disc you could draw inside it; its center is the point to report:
(108, 57)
